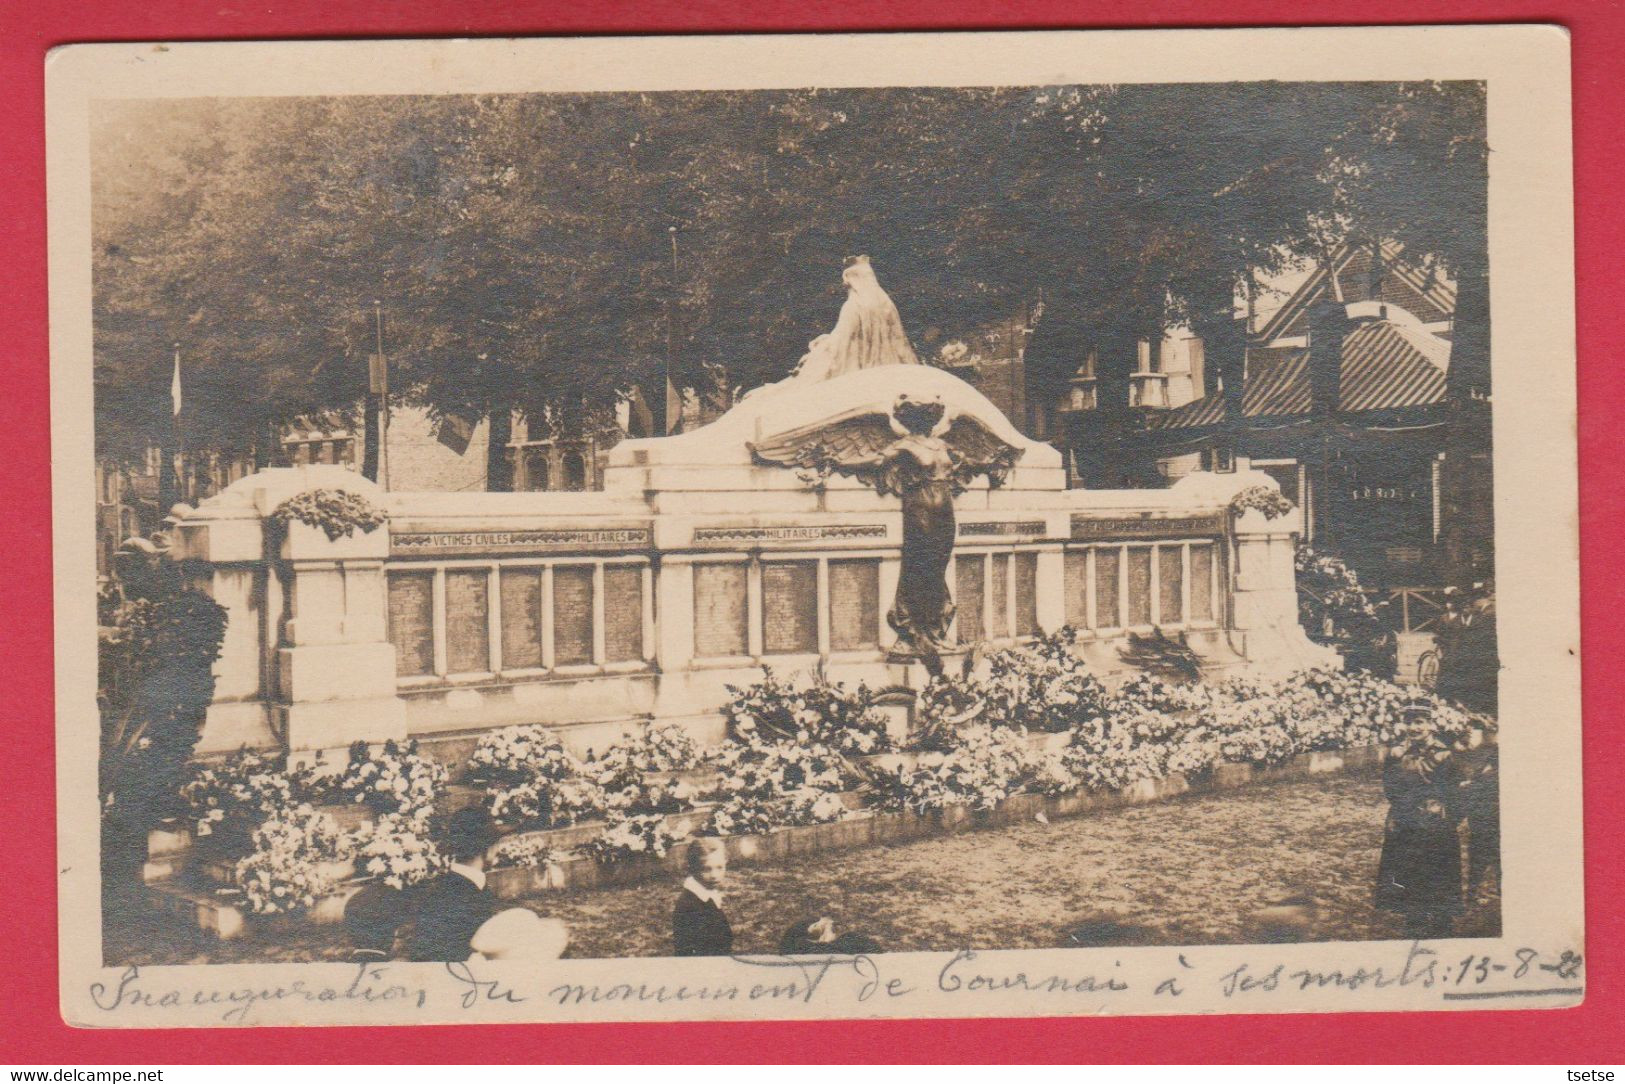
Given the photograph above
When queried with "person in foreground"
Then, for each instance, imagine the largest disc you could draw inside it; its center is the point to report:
(698, 926)
(450, 908)
(373, 918)
(818, 938)
(520, 934)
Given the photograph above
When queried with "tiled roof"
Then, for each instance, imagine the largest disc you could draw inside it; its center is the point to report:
(1385, 367)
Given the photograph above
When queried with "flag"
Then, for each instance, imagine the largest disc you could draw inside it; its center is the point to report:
(175, 385)
(455, 432)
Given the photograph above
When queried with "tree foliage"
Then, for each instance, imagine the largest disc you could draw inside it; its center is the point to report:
(157, 645)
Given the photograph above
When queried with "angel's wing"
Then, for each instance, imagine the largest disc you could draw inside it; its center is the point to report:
(851, 446)
(976, 449)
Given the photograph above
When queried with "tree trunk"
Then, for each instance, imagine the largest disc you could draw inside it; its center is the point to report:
(1466, 480)
(498, 466)
(1105, 445)
(268, 448)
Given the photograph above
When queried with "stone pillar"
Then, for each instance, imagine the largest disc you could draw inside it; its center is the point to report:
(1264, 597)
(336, 666)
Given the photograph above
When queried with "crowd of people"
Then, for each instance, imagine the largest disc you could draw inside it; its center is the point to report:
(453, 917)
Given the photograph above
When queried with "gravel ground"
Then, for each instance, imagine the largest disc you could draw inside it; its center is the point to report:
(1191, 870)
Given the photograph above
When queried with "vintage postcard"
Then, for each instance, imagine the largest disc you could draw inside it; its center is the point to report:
(1010, 524)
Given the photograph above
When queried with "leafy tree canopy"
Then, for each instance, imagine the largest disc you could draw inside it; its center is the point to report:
(540, 252)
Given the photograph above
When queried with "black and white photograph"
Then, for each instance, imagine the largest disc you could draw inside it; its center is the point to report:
(868, 533)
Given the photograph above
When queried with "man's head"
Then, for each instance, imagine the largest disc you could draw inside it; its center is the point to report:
(708, 863)
(469, 834)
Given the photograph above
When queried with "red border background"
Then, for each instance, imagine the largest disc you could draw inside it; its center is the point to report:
(31, 1029)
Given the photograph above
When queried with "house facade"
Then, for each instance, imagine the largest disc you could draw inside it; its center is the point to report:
(1342, 397)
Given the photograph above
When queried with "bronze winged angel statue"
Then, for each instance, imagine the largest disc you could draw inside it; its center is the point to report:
(926, 458)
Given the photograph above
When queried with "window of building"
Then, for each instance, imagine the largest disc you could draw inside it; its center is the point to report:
(575, 471)
(535, 469)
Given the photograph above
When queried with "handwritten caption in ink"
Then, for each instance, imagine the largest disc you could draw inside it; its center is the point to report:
(474, 990)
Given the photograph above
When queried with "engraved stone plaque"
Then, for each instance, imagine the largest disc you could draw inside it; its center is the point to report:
(854, 604)
(968, 594)
(720, 610)
(521, 618)
(623, 613)
(789, 607)
(572, 615)
(467, 616)
(411, 622)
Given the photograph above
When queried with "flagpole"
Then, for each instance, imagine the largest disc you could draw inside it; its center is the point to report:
(176, 446)
(674, 405)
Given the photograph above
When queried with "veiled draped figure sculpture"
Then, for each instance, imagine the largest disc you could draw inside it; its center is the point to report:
(868, 334)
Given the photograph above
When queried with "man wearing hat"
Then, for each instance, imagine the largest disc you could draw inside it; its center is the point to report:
(453, 906)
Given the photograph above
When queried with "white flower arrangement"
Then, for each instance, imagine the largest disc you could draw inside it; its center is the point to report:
(826, 712)
(774, 769)
(226, 802)
(1144, 691)
(1040, 686)
(1110, 753)
(395, 779)
(664, 748)
(988, 765)
(639, 836)
(522, 851)
(549, 803)
(287, 872)
(520, 754)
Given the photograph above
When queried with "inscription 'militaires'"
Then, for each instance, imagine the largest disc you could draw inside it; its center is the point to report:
(1003, 527)
(762, 534)
(478, 543)
(1092, 527)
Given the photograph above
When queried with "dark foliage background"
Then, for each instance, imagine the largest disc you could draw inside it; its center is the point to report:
(541, 252)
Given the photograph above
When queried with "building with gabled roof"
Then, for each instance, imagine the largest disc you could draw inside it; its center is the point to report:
(1342, 394)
